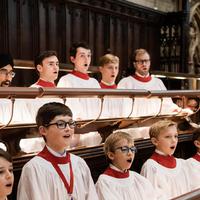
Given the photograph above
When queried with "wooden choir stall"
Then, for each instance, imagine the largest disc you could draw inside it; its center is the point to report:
(14, 128)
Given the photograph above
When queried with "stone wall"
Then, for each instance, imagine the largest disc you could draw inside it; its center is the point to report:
(161, 5)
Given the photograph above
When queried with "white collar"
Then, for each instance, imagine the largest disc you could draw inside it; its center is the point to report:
(56, 153)
(109, 84)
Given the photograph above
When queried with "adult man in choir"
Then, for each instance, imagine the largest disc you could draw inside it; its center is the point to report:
(47, 66)
(143, 80)
(20, 112)
(6, 70)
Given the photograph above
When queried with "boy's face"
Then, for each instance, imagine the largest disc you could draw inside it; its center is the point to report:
(109, 72)
(6, 177)
(82, 60)
(58, 138)
(167, 140)
(142, 64)
(49, 69)
(121, 158)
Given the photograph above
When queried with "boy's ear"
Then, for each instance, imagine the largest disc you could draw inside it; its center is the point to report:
(110, 155)
(72, 59)
(42, 130)
(197, 143)
(154, 141)
(100, 68)
(39, 67)
(134, 64)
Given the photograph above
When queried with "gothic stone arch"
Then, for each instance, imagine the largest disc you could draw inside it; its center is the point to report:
(194, 39)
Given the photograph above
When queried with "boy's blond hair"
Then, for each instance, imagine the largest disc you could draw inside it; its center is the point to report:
(159, 126)
(113, 139)
(108, 58)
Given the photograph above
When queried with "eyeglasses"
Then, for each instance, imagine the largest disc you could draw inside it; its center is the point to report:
(126, 149)
(6, 73)
(62, 124)
(141, 62)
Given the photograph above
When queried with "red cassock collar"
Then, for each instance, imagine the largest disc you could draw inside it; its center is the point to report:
(80, 75)
(60, 160)
(43, 83)
(142, 79)
(104, 86)
(116, 174)
(54, 159)
(166, 161)
(196, 157)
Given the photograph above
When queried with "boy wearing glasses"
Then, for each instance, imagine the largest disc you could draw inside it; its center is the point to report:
(142, 79)
(6, 70)
(170, 176)
(118, 182)
(55, 173)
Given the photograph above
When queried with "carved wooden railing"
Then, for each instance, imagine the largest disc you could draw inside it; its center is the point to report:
(94, 156)
(103, 126)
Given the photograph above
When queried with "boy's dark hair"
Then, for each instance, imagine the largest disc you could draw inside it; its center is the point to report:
(5, 155)
(42, 55)
(48, 111)
(75, 46)
(196, 135)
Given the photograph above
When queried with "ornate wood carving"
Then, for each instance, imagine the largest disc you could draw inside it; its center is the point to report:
(39, 25)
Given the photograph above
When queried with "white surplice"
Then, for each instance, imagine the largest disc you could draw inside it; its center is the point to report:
(83, 108)
(194, 166)
(134, 187)
(21, 114)
(168, 182)
(144, 106)
(40, 181)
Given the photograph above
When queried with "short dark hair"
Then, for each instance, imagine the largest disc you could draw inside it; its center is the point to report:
(42, 55)
(49, 111)
(75, 46)
(5, 155)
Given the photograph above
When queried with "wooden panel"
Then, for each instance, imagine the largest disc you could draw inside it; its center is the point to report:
(3, 26)
(33, 26)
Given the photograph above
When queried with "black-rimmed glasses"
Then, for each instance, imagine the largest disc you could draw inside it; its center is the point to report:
(63, 124)
(6, 73)
(141, 62)
(126, 149)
